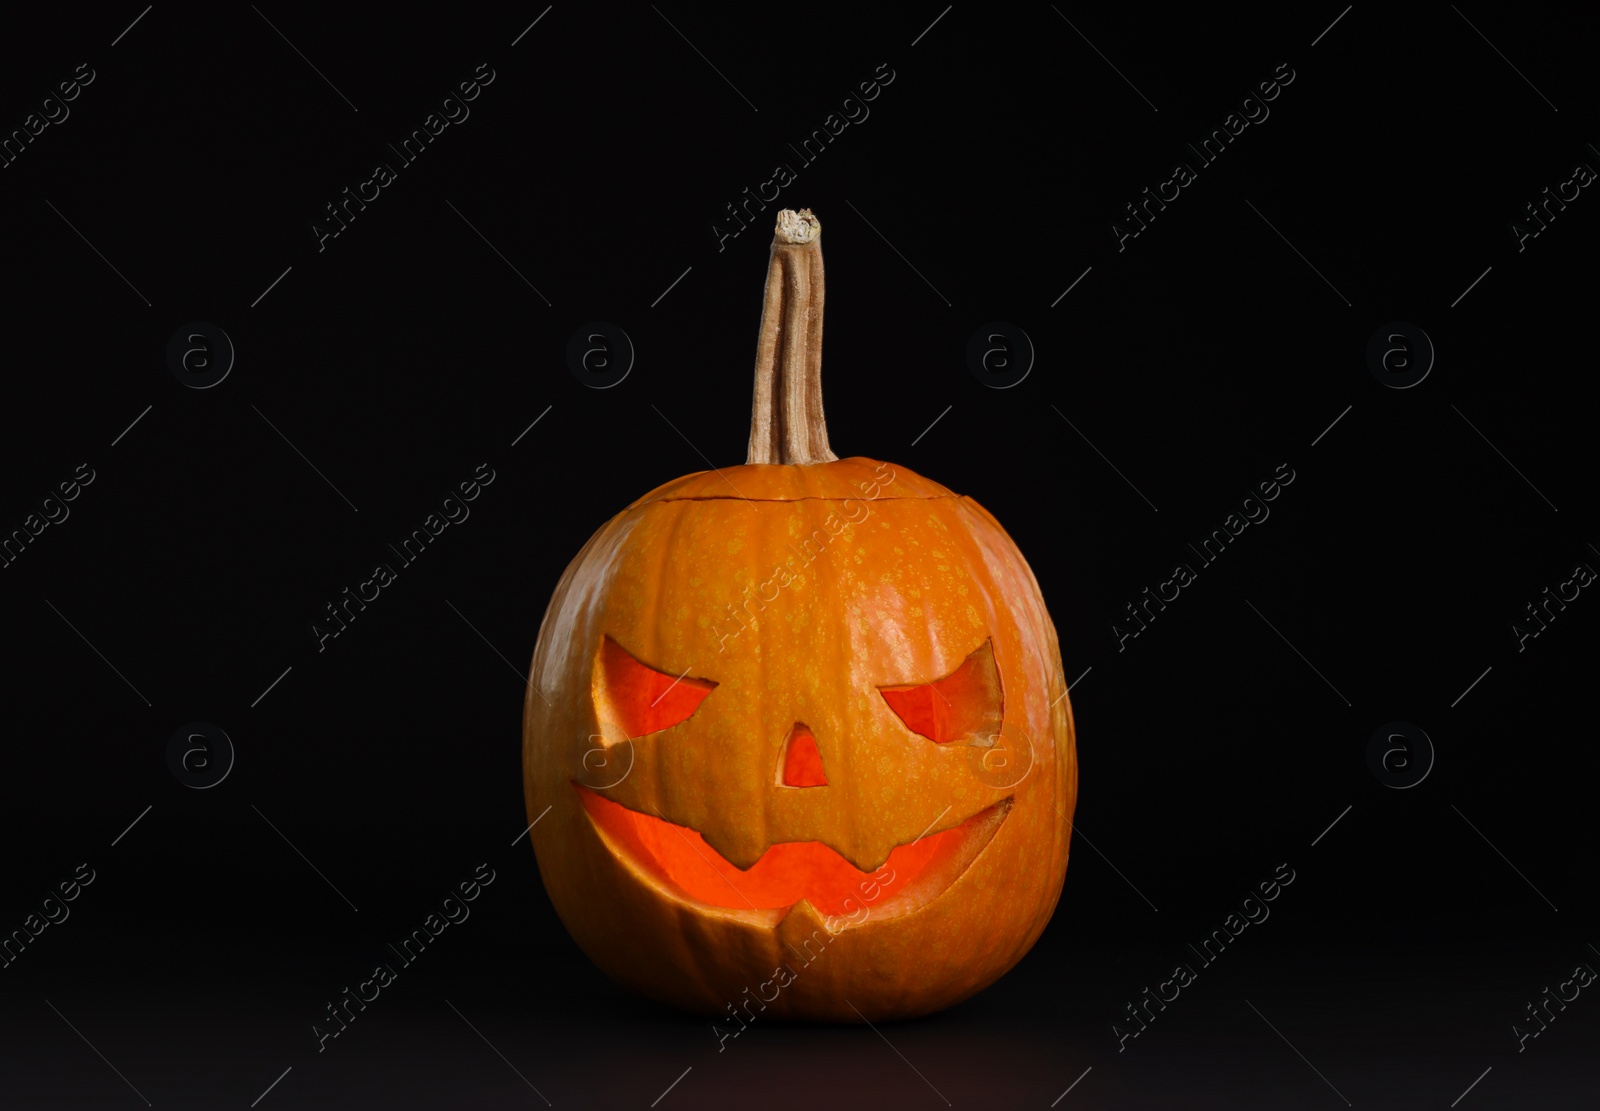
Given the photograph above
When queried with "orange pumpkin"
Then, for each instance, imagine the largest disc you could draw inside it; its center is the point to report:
(797, 741)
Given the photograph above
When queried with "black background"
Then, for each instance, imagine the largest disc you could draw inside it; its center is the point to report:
(409, 351)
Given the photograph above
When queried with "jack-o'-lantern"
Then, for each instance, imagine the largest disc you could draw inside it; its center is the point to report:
(797, 742)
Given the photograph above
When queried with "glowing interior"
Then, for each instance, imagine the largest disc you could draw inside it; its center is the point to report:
(802, 762)
(966, 705)
(791, 870)
(640, 699)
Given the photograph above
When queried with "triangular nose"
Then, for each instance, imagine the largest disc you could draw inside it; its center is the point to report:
(802, 762)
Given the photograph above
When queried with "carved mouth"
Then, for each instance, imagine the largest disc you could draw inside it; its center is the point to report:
(791, 872)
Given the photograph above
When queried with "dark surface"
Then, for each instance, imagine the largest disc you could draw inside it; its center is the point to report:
(406, 353)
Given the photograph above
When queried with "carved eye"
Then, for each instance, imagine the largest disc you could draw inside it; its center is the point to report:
(639, 699)
(966, 706)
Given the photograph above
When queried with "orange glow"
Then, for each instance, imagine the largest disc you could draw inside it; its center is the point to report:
(642, 699)
(786, 873)
(964, 705)
(802, 762)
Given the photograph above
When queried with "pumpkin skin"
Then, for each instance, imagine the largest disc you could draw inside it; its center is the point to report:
(851, 576)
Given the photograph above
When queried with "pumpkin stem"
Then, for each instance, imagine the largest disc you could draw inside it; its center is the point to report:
(786, 421)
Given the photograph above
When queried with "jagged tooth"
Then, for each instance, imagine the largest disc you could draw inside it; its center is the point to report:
(804, 931)
(743, 852)
(867, 864)
(744, 858)
(737, 851)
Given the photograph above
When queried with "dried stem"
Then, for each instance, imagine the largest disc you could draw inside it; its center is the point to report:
(786, 420)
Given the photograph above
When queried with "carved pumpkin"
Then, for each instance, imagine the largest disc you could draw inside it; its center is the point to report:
(797, 742)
